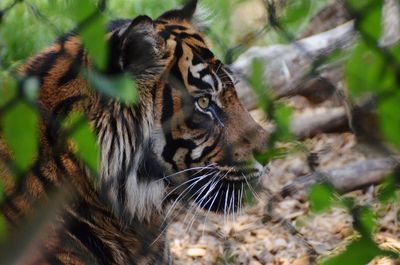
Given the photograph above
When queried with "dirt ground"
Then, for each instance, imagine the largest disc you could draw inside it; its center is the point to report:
(244, 239)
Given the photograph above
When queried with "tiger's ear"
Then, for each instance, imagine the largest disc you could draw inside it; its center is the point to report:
(138, 45)
(183, 14)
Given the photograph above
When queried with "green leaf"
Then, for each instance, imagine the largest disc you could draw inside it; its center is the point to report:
(256, 81)
(3, 228)
(93, 37)
(264, 157)
(387, 192)
(121, 87)
(282, 118)
(21, 133)
(248, 197)
(389, 118)
(321, 197)
(370, 16)
(85, 140)
(296, 12)
(92, 30)
(367, 70)
(364, 220)
(8, 89)
(347, 202)
(358, 252)
(1, 190)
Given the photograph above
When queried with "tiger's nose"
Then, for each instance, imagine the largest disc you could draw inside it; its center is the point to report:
(256, 137)
(253, 139)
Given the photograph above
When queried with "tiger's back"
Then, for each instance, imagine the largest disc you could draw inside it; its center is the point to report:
(86, 231)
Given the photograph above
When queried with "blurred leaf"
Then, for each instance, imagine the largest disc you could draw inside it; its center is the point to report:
(358, 5)
(248, 197)
(81, 10)
(370, 16)
(8, 90)
(321, 197)
(85, 140)
(1, 190)
(31, 88)
(121, 87)
(282, 118)
(92, 30)
(395, 51)
(358, 252)
(389, 117)
(364, 220)
(347, 202)
(3, 228)
(21, 133)
(387, 192)
(256, 81)
(93, 37)
(264, 157)
(296, 11)
(375, 75)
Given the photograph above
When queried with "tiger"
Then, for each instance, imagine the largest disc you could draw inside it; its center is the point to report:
(188, 136)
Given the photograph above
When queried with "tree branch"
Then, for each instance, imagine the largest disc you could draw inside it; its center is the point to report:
(347, 178)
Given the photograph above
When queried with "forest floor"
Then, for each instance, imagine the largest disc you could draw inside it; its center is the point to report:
(245, 239)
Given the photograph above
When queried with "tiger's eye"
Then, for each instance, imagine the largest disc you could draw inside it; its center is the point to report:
(203, 102)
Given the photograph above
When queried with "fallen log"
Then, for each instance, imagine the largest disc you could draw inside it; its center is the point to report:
(347, 178)
(287, 67)
(333, 120)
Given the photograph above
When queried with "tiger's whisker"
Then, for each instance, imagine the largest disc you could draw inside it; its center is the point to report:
(255, 194)
(210, 166)
(212, 183)
(187, 189)
(208, 211)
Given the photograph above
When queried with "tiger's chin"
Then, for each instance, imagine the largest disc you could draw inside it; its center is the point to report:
(225, 190)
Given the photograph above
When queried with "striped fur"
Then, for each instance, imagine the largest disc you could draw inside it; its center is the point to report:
(187, 134)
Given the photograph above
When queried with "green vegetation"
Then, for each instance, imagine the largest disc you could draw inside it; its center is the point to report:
(29, 26)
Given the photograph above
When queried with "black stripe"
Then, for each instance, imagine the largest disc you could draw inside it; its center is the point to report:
(208, 149)
(122, 178)
(73, 70)
(8, 201)
(113, 134)
(65, 106)
(53, 124)
(44, 180)
(198, 83)
(53, 260)
(202, 52)
(150, 169)
(92, 242)
(174, 27)
(42, 65)
(185, 35)
(168, 105)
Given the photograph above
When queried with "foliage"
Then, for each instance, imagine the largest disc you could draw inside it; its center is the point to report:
(370, 69)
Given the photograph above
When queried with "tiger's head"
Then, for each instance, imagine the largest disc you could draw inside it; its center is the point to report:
(201, 139)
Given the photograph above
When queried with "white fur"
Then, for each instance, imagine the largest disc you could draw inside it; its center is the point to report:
(142, 198)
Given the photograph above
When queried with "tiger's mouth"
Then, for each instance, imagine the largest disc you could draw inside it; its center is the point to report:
(223, 189)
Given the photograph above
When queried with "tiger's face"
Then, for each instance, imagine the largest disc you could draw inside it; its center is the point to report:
(202, 134)
(188, 133)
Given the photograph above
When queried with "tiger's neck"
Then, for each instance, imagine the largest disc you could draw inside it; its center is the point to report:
(128, 169)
